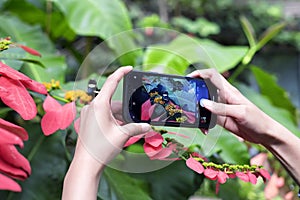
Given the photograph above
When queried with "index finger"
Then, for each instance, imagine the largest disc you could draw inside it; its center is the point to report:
(213, 75)
(111, 83)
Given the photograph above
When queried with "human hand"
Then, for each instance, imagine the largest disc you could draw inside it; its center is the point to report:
(235, 112)
(100, 132)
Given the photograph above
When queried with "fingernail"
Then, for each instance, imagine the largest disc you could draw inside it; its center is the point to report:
(145, 127)
(205, 103)
(205, 131)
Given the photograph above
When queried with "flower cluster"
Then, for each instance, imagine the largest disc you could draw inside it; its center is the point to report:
(74, 95)
(222, 172)
(159, 148)
(53, 85)
(4, 43)
(12, 163)
(14, 93)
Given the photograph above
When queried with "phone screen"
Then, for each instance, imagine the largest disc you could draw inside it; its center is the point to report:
(168, 100)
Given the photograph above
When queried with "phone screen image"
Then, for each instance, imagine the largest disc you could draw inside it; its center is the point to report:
(167, 100)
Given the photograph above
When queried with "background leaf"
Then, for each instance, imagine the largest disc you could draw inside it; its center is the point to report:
(276, 94)
(183, 51)
(279, 114)
(33, 37)
(116, 185)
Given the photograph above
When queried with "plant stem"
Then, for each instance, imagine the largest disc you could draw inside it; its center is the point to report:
(36, 147)
(236, 73)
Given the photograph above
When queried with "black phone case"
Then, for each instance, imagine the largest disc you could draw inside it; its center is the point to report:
(128, 89)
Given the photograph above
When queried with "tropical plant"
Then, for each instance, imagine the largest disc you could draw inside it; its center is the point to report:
(60, 42)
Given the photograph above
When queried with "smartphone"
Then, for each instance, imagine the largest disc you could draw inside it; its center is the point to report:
(167, 100)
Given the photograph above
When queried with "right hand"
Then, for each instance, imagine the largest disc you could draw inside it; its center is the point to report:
(235, 112)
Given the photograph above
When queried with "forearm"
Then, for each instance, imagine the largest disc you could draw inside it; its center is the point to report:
(82, 178)
(285, 146)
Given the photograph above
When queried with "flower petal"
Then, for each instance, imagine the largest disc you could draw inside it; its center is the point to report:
(242, 176)
(67, 115)
(18, 98)
(50, 104)
(16, 130)
(194, 165)
(163, 153)
(12, 73)
(133, 140)
(154, 139)
(151, 150)
(10, 138)
(222, 177)
(30, 50)
(9, 184)
(265, 174)
(211, 173)
(252, 178)
(13, 162)
(77, 125)
(50, 122)
(35, 86)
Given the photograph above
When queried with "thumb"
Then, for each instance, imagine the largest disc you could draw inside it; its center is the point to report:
(133, 129)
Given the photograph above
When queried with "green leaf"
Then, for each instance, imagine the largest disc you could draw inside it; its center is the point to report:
(276, 94)
(176, 56)
(116, 185)
(34, 37)
(281, 115)
(102, 18)
(55, 69)
(11, 57)
(51, 20)
(270, 33)
(175, 181)
(249, 31)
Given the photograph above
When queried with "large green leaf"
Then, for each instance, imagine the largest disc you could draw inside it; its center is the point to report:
(175, 181)
(51, 20)
(279, 114)
(176, 56)
(34, 37)
(115, 185)
(103, 18)
(276, 94)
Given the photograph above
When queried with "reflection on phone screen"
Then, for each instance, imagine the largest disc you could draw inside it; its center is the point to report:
(168, 99)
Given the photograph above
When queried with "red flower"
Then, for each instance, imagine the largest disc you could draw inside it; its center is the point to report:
(12, 163)
(243, 176)
(194, 165)
(264, 174)
(154, 149)
(57, 116)
(30, 50)
(14, 94)
(211, 173)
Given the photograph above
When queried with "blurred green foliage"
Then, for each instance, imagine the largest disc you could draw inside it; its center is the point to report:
(65, 32)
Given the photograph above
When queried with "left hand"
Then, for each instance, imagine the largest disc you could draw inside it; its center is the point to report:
(99, 131)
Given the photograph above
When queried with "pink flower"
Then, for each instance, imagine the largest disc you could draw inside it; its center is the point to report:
(194, 165)
(14, 94)
(154, 149)
(12, 163)
(57, 116)
(211, 173)
(243, 176)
